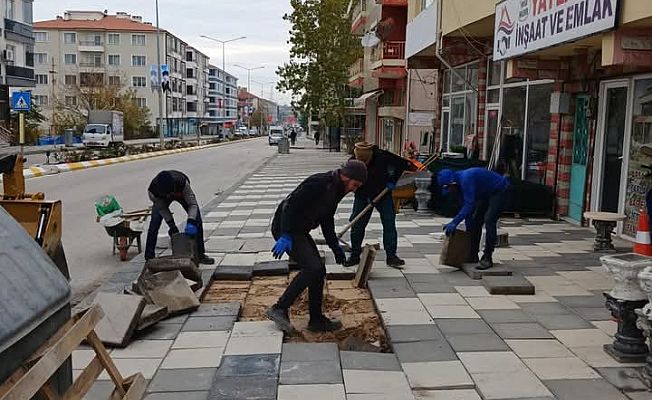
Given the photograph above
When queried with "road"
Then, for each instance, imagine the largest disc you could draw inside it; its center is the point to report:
(88, 247)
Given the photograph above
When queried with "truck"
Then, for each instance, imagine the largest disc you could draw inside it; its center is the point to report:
(104, 128)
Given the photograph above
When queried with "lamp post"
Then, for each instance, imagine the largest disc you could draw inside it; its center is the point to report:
(160, 88)
(223, 42)
(262, 95)
(249, 85)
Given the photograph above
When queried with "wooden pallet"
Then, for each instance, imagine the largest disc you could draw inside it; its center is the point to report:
(32, 378)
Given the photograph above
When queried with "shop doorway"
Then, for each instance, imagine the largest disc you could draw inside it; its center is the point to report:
(580, 158)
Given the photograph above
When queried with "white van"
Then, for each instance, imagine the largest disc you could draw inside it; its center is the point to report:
(276, 133)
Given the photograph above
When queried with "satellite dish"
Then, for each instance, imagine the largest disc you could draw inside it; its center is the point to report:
(370, 40)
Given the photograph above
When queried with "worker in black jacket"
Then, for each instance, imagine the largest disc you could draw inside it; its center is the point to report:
(166, 187)
(313, 203)
(384, 169)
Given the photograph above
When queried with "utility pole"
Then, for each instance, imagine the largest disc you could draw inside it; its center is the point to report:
(249, 87)
(160, 80)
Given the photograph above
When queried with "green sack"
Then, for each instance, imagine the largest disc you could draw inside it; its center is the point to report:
(106, 205)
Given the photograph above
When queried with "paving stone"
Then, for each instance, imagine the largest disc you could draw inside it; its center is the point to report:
(271, 268)
(560, 368)
(584, 389)
(491, 361)
(369, 361)
(625, 379)
(121, 315)
(198, 324)
(593, 313)
(596, 357)
(130, 366)
(258, 245)
(441, 287)
(254, 345)
(562, 321)
(452, 312)
(442, 299)
(218, 309)
(457, 394)
(177, 396)
(544, 308)
(144, 349)
(255, 329)
(339, 273)
(376, 382)
(508, 285)
(177, 319)
(384, 292)
(243, 387)
(431, 350)
(193, 358)
(310, 372)
(312, 392)
(638, 395)
(233, 273)
(492, 303)
(252, 365)
(477, 342)
(472, 291)
(521, 330)
(200, 340)
(538, 348)
(310, 352)
(476, 274)
(413, 333)
(463, 326)
(596, 301)
(437, 375)
(182, 380)
(510, 385)
(582, 337)
(224, 245)
(505, 316)
(101, 390)
(160, 331)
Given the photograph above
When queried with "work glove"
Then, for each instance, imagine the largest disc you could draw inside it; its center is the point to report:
(340, 256)
(450, 229)
(391, 186)
(191, 228)
(283, 245)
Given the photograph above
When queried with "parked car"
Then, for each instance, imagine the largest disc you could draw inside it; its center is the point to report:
(276, 133)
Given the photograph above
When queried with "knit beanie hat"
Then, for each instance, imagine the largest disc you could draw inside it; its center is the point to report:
(355, 170)
(363, 151)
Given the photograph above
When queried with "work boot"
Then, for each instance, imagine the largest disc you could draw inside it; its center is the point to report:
(352, 261)
(324, 324)
(485, 263)
(395, 262)
(280, 317)
(472, 259)
(204, 259)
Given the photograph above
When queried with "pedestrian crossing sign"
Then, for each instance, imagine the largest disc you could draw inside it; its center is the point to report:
(21, 101)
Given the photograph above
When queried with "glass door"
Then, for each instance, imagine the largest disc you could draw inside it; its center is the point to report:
(491, 130)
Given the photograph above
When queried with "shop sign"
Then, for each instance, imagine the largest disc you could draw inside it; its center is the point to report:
(423, 119)
(524, 26)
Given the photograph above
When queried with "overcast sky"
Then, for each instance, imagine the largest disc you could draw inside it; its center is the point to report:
(259, 20)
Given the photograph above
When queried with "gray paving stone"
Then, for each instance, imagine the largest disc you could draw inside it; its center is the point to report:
(310, 352)
(179, 319)
(177, 396)
(243, 388)
(477, 274)
(253, 365)
(539, 271)
(522, 330)
(584, 389)
(369, 361)
(413, 333)
(596, 301)
(505, 316)
(258, 245)
(218, 309)
(390, 292)
(562, 321)
(455, 326)
(182, 380)
(477, 342)
(508, 285)
(160, 332)
(222, 323)
(459, 278)
(429, 350)
(310, 372)
(544, 308)
(593, 313)
(233, 272)
(625, 379)
(425, 278)
(101, 390)
(421, 287)
(271, 268)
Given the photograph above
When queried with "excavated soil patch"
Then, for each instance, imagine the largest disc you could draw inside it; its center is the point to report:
(354, 307)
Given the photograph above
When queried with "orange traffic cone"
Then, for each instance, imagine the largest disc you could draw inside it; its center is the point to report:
(643, 243)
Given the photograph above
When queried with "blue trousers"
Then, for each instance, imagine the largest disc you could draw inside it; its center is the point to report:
(487, 212)
(388, 218)
(155, 224)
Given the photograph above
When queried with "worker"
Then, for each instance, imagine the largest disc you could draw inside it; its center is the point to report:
(384, 169)
(293, 136)
(484, 195)
(166, 187)
(313, 203)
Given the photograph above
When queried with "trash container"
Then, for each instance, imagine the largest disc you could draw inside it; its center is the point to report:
(34, 301)
(284, 146)
(68, 137)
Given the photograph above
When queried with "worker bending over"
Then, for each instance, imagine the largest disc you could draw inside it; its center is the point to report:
(313, 203)
(484, 195)
(166, 187)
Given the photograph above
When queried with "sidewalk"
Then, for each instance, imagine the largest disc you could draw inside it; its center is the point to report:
(451, 339)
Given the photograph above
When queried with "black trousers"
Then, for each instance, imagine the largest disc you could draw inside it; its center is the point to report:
(312, 273)
(487, 212)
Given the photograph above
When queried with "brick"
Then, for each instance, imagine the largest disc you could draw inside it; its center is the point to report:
(508, 285)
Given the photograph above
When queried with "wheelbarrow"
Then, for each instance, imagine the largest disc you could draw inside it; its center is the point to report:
(125, 230)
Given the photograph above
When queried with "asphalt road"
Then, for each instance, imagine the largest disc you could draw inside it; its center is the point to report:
(87, 246)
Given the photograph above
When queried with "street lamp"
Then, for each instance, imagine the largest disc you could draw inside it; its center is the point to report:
(160, 89)
(249, 84)
(223, 42)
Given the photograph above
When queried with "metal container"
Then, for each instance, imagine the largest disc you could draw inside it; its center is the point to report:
(284, 145)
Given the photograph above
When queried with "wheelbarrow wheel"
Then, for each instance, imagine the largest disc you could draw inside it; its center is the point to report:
(123, 247)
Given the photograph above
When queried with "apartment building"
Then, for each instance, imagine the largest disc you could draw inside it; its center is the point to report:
(270, 109)
(17, 44)
(84, 48)
(222, 100)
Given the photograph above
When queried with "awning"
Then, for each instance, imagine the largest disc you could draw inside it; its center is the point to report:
(361, 101)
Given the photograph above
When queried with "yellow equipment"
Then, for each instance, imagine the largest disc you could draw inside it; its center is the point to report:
(40, 218)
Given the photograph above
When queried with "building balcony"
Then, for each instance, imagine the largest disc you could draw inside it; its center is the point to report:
(360, 16)
(356, 73)
(18, 32)
(397, 112)
(19, 76)
(388, 60)
(91, 46)
(421, 33)
(91, 65)
(393, 3)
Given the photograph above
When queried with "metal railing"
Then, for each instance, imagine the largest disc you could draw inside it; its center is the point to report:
(390, 50)
(356, 68)
(90, 43)
(20, 72)
(19, 28)
(91, 64)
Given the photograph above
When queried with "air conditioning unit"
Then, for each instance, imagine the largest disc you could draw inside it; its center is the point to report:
(8, 55)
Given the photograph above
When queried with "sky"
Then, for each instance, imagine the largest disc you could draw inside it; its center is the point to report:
(261, 21)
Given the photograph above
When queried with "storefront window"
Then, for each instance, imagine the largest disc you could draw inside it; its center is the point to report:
(459, 105)
(511, 155)
(538, 132)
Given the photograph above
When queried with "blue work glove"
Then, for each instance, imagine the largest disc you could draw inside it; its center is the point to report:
(450, 228)
(283, 245)
(340, 256)
(191, 228)
(391, 186)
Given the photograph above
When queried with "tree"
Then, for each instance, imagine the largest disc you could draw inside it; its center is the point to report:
(322, 50)
(33, 118)
(259, 119)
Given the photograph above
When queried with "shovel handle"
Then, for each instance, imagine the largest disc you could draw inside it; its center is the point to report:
(363, 213)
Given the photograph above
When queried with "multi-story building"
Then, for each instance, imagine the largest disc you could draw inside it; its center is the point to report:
(85, 48)
(247, 100)
(17, 43)
(222, 100)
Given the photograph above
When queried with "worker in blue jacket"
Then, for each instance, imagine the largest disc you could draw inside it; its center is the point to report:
(485, 196)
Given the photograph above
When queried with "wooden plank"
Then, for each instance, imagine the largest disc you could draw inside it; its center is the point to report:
(106, 361)
(28, 385)
(137, 385)
(363, 261)
(366, 263)
(84, 381)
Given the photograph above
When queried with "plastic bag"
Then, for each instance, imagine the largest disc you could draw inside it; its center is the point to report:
(107, 205)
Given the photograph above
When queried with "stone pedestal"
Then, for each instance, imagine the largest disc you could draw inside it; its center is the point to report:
(626, 296)
(604, 223)
(644, 322)
(422, 193)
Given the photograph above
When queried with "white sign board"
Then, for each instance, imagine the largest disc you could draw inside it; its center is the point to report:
(523, 26)
(421, 118)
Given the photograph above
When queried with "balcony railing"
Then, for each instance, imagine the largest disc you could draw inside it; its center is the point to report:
(91, 64)
(19, 72)
(390, 50)
(391, 98)
(357, 68)
(90, 43)
(23, 30)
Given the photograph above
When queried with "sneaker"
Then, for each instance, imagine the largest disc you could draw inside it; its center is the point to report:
(485, 263)
(280, 317)
(324, 324)
(395, 262)
(204, 259)
(352, 261)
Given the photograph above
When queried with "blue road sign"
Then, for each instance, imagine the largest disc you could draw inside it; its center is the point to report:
(21, 101)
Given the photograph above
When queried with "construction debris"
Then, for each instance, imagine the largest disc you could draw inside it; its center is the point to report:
(168, 289)
(186, 265)
(367, 259)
